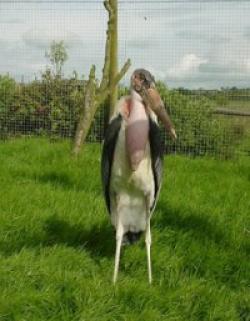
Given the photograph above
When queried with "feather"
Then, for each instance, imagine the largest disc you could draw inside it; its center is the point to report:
(108, 155)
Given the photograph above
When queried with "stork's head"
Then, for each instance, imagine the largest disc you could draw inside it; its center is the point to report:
(143, 83)
(142, 79)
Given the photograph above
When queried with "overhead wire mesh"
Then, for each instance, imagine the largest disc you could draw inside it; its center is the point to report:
(197, 50)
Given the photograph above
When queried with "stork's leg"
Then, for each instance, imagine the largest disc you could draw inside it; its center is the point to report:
(148, 246)
(119, 236)
(148, 240)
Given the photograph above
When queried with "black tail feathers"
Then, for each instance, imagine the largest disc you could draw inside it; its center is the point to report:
(131, 237)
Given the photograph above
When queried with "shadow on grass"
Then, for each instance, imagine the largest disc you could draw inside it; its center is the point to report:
(98, 240)
(56, 179)
(62, 180)
(229, 265)
(198, 225)
(66, 182)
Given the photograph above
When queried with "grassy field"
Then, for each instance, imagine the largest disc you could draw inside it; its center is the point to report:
(57, 245)
(239, 123)
(238, 105)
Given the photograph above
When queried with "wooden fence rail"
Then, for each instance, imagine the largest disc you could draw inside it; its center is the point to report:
(231, 112)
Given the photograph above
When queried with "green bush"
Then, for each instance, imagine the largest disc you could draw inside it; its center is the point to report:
(199, 131)
(51, 105)
(48, 106)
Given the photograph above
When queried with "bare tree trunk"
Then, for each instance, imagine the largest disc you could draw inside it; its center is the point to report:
(95, 96)
(113, 57)
(86, 113)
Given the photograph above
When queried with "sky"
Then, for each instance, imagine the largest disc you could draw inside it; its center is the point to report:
(191, 44)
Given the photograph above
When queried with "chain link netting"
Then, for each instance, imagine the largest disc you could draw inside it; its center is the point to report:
(198, 52)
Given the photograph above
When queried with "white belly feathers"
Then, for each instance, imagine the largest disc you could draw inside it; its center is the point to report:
(129, 190)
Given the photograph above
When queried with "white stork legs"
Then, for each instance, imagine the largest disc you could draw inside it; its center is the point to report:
(148, 240)
(119, 236)
(148, 245)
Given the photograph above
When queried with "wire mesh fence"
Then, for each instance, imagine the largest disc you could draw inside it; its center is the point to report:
(198, 52)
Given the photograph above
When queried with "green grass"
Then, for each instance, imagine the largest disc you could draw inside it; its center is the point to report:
(57, 245)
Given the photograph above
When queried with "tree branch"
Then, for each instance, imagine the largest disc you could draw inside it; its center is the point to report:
(106, 91)
(108, 7)
(106, 67)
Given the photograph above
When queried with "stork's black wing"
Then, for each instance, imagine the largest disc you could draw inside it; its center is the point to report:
(157, 150)
(108, 154)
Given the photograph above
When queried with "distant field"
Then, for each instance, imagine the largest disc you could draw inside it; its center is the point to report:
(239, 104)
(57, 245)
(239, 123)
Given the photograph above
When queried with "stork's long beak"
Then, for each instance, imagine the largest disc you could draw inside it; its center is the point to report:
(153, 100)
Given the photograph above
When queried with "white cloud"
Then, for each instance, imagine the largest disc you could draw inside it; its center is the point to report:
(190, 44)
(189, 64)
(247, 65)
(41, 38)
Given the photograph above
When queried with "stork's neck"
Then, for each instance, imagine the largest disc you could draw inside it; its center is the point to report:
(126, 103)
(135, 96)
(136, 100)
(136, 130)
(137, 107)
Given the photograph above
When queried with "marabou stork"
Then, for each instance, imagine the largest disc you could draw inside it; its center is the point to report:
(132, 160)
